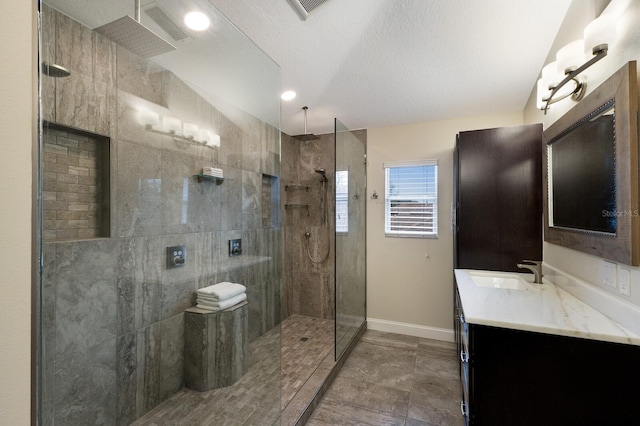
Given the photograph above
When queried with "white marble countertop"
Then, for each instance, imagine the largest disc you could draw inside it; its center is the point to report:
(543, 308)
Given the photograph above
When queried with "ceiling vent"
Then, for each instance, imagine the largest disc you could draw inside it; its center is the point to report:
(162, 19)
(304, 7)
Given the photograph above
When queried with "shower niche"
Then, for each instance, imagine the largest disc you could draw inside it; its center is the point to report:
(76, 173)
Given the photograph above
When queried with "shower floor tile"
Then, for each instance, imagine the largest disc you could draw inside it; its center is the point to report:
(281, 363)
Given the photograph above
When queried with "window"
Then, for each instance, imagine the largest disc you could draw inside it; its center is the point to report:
(342, 201)
(411, 199)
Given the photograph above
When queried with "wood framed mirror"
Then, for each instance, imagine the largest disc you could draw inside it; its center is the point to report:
(590, 184)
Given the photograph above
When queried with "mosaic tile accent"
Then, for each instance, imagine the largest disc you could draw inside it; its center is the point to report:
(75, 184)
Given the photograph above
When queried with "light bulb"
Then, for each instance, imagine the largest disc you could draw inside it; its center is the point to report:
(197, 21)
(570, 57)
(600, 32)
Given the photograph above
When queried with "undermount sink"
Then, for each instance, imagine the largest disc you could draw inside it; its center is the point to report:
(499, 280)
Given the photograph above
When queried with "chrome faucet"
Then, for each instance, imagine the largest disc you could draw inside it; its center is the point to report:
(534, 266)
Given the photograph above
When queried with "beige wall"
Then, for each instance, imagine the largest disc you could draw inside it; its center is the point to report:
(586, 267)
(16, 124)
(410, 280)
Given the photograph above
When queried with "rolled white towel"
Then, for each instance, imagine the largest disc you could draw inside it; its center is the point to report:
(225, 304)
(223, 290)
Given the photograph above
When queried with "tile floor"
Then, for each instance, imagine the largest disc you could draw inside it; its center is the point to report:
(392, 379)
(389, 379)
(284, 372)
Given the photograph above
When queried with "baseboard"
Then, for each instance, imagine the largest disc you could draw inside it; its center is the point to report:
(443, 334)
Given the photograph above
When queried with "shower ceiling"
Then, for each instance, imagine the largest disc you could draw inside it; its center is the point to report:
(370, 62)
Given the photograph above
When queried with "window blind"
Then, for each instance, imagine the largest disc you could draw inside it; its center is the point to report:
(411, 198)
(342, 201)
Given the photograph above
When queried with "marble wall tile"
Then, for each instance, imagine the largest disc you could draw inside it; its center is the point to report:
(270, 163)
(148, 367)
(271, 140)
(48, 55)
(289, 157)
(86, 294)
(311, 302)
(86, 99)
(257, 311)
(139, 198)
(177, 296)
(86, 386)
(127, 256)
(139, 282)
(252, 130)
(171, 355)
(207, 258)
(206, 201)
(126, 378)
(295, 249)
(289, 296)
(48, 302)
(231, 135)
(140, 77)
(179, 190)
(231, 202)
(251, 200)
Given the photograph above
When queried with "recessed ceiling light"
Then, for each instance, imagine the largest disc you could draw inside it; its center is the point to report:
(288, 95)
(197, 21)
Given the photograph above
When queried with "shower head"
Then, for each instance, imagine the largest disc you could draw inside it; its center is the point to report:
(55, 70)
(135, 37)
(305, 136)
(322, 172)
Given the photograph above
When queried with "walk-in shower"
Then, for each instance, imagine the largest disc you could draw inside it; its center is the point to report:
(117, 193)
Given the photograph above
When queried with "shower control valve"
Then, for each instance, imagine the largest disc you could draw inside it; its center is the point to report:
(235, 247)
(176, 256)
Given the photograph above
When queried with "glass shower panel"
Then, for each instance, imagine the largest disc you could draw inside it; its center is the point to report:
(350, 252)
(125, 139)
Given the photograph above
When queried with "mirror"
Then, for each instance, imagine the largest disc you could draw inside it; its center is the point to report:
(591, 180)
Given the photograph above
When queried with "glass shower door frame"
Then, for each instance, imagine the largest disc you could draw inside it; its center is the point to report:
(350, 243)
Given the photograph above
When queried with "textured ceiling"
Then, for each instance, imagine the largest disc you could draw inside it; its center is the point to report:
(386, 62)
(371, 63)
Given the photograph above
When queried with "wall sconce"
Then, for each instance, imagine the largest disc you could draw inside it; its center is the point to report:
(570, 62)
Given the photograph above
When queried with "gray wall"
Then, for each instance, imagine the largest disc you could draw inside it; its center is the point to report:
(113, 314)
(309, 288)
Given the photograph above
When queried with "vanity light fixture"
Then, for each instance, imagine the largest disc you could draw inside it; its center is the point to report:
(171, 125)
(599, 35)
(174, 127)
(190, 130)
(149, 119)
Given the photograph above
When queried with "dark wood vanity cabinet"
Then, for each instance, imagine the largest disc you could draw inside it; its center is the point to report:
(498, 197)
(514, 377)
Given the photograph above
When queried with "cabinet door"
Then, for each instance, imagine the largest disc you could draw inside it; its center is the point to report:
(499, 197)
